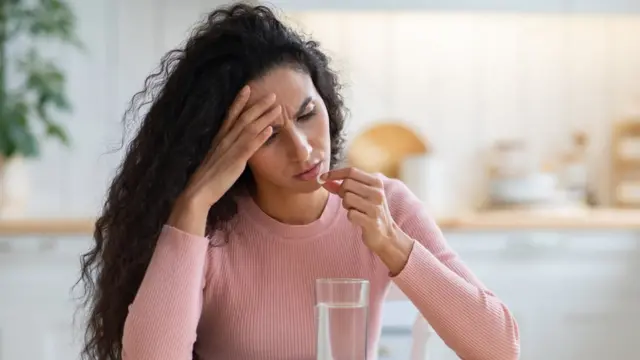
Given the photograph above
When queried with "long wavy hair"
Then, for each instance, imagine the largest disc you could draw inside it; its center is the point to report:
(187, 99)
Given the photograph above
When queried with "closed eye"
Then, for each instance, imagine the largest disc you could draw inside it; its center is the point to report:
(270, 139)
(306, 116)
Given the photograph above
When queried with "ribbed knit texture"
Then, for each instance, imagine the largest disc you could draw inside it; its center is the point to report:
(253, 298)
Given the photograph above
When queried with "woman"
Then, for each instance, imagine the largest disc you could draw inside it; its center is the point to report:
(229, 205)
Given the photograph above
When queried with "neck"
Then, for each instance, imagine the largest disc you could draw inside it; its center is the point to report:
(294, 209)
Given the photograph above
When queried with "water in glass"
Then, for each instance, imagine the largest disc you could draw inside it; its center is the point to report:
(342, 307)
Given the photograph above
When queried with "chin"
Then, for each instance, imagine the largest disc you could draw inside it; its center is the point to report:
(305, 187)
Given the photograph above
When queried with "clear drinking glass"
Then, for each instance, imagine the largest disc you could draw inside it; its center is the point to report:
(342, 310)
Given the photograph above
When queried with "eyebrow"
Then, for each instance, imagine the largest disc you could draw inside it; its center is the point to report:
(303, 107)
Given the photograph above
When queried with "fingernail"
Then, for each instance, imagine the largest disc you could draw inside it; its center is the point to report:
(324, 176)
(321, 179)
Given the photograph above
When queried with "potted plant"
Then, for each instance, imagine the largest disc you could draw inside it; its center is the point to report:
(31, 86)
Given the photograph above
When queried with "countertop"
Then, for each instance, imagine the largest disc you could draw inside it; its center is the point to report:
(576, 219)
(494, 220)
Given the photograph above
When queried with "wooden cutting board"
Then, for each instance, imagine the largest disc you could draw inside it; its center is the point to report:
(383, 147)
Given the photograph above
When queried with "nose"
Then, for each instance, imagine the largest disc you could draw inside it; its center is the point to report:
(300, 149)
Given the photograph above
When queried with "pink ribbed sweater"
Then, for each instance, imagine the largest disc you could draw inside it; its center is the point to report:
(253, 298)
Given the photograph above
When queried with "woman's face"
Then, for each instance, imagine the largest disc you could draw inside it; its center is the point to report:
(300, 147)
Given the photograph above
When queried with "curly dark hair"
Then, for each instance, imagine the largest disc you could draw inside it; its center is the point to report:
(187, 99)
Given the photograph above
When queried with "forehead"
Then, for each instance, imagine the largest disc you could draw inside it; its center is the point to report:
(291, 86)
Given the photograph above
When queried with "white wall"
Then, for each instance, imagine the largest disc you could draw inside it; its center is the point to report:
(462, 80)
(125, 40)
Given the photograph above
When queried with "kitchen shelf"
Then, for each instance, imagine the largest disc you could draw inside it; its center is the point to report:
(490, 220)
(51, 226)
(625, 176)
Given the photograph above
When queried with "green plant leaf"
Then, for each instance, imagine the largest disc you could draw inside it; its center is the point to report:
(33, 105)
(52, 18)
(46, 82)
(18, 136)
(55, 131)
(24, 140)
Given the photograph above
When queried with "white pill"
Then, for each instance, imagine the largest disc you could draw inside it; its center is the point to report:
(320, 181)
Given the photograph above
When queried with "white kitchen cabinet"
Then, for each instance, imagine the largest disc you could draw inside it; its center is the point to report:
(395, 344)
(37, 309)
(585, 6)
(575, 295)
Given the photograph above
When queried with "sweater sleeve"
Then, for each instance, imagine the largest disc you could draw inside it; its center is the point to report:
(164, 315)
(467, 316)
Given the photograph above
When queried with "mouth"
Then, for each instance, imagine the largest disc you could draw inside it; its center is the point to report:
(310, 173)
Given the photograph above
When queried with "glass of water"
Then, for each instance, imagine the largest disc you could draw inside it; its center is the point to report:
(342, 310)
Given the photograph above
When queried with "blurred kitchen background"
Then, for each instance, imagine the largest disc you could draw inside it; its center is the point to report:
(517, 122)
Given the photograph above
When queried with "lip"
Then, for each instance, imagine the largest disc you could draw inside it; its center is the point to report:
(311, 173)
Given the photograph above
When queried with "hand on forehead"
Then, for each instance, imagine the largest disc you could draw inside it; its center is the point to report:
(291, 87)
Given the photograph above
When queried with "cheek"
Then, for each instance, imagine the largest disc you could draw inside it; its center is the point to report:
(324, 131)
(264, 162)
(258, 160)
